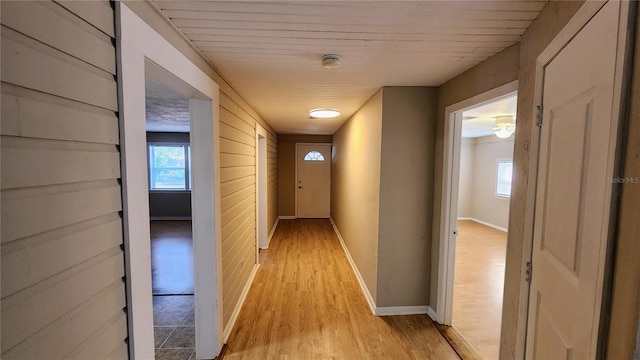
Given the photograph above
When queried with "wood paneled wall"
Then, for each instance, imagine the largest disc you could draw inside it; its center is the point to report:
(237, 146)
(62, 265)
(238, 192)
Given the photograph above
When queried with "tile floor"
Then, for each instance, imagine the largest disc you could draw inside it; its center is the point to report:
(174, 327)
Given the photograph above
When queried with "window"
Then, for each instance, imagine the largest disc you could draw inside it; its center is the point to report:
(503, 179)
(313, 156)
(169, 167)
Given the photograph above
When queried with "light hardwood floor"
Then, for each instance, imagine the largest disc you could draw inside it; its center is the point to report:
(478, 286)
(305, 303)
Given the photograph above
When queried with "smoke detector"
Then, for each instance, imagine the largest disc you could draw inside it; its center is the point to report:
(330, 61)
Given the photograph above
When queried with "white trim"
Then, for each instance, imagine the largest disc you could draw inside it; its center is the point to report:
(363, 286)
(382, 310)
(143, 52)
(401, 310)
(288, 217)
(262, 240)
(243, 297)
(273, 231)
(431, 313)
(448, 206)
(484, 223)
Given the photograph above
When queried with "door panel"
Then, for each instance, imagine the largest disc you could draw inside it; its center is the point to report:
(573, 195)
(314, 181)
(569, 125)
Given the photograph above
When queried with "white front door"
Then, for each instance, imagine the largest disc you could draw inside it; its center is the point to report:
(573, 196)
(313, 163)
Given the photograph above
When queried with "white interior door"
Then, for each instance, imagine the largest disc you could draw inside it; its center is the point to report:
(313, 164)
(573, 196)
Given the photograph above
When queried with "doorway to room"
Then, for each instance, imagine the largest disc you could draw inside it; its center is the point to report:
(172, 271)
(147, 54)
(484, 190)
(262, 240)
(473, 244)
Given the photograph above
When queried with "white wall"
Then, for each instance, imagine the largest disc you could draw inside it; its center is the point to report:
(467, 155)
(478, 167)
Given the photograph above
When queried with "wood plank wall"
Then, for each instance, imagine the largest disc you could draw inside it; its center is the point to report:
(237, 146)
(238, 191)
(62, 265)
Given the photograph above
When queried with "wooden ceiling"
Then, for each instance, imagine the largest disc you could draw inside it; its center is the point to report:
(271, 52)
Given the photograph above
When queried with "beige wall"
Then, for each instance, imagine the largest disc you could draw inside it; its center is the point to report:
(551, 20)
(406, 176)
(485, 153)
(355, 186)
(466, 173)
(381, 192)
(287, 168)
(624, 331)
(491, 74)
(62, 265)
(237, 169)
(514, 63)
(287, 179)
(496, 71)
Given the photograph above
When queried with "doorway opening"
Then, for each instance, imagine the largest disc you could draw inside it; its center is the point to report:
(146, 54)
(261, 190)
(478, 168)
(484, 190)
(170, 169)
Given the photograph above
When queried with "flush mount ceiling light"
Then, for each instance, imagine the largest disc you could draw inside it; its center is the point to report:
(505, 126)
(330, 61)
(323, 113)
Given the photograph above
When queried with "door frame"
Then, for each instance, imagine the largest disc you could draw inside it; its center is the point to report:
(450, 183)
(141, 52)
(586, 12)
(261, 190)
(295, 163)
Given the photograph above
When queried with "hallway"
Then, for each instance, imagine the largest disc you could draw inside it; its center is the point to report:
(305, 303)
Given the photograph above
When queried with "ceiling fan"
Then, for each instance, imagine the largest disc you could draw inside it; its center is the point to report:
(505, 126)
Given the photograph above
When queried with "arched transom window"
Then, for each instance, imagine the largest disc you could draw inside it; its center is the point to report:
(313, 156)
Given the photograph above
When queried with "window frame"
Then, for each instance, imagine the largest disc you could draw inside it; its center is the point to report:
(497, 193)
(318, 159)
(187, 166)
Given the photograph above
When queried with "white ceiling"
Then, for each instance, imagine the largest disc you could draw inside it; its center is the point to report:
(167, 110)
(271, 52)
(480, 121)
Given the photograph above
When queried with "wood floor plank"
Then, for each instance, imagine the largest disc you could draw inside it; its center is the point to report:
(479, 285)
(305, 303)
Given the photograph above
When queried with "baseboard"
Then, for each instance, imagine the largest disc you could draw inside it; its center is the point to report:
(174, 218)
(432, 313)
(400, 310)
(273, 231)
(363, 286)
(243, 297)
(288, 217)
(484, 223)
